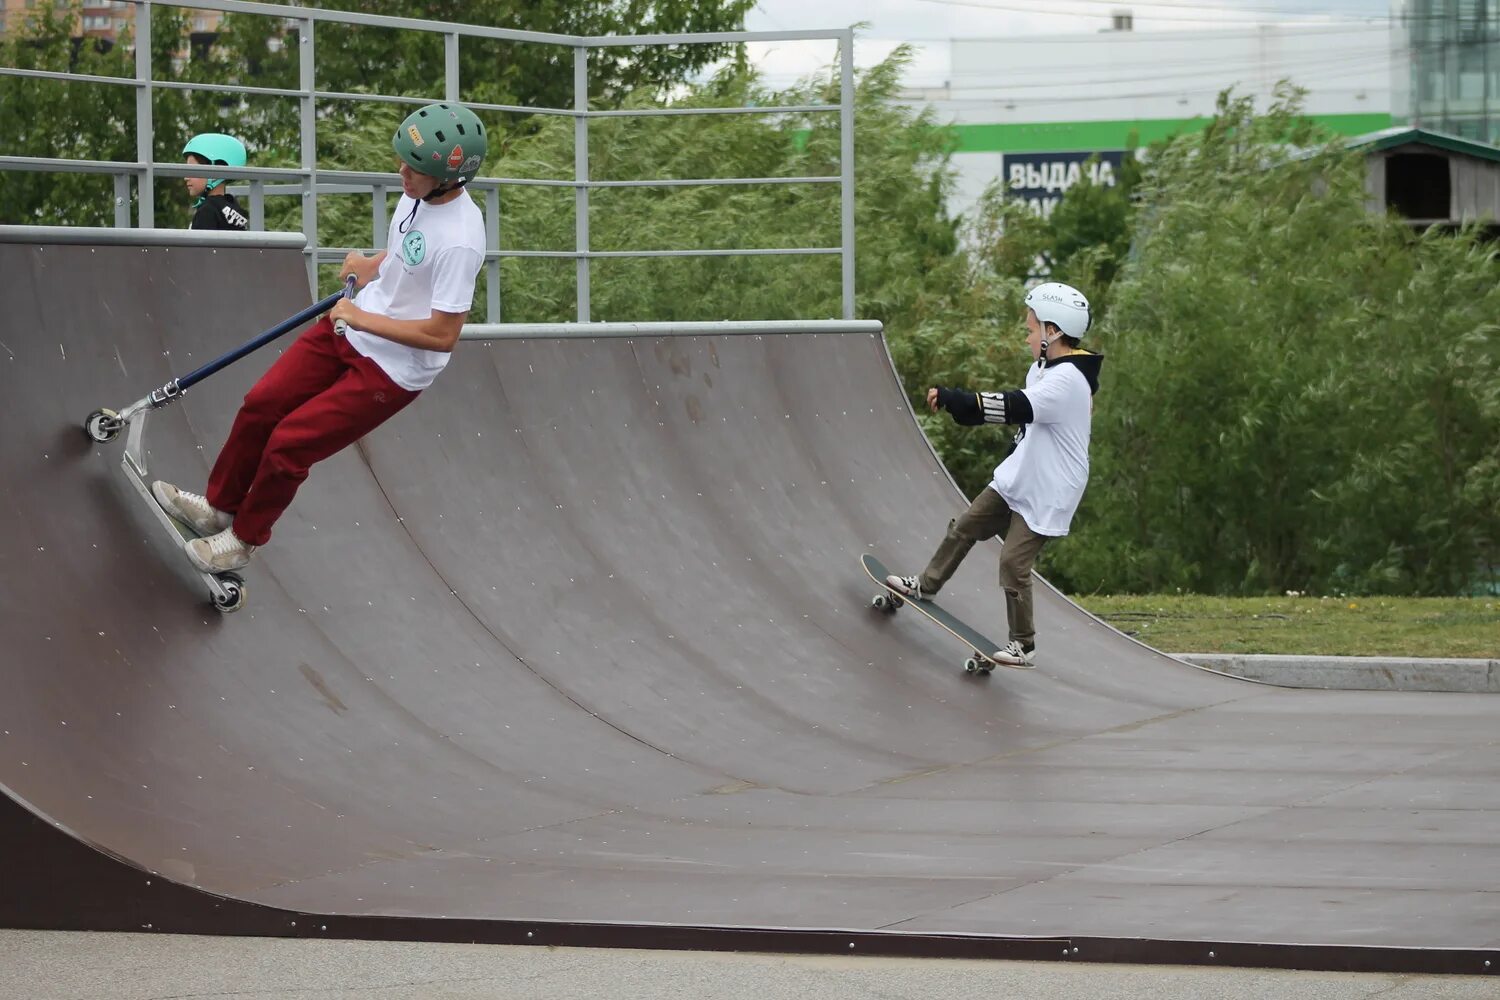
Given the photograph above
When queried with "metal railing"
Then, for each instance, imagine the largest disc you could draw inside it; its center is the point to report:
(307, 181)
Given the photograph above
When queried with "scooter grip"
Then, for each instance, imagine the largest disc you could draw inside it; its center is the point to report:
(339, 326)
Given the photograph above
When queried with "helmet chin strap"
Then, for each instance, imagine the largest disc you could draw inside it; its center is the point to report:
(444, 188)
(1047, 343)
(437, 192)
(208, 189)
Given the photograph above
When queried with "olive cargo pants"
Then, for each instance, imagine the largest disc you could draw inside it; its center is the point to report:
(988, 516)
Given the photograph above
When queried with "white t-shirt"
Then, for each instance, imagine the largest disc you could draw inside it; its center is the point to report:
(429, 268)
(1043, 479)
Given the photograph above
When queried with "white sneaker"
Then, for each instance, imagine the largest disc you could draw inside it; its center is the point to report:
(907, 586)
(219, 553)
(191, 509)
(1013, 654)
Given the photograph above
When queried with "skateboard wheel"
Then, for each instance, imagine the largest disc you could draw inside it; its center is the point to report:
(234, 594)
(102, 425)
(886, 602)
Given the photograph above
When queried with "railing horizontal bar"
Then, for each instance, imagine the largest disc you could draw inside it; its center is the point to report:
(394, 180)
(226, 88)
(50, 165)
(753, 252)
(44, 74)
(338, 253)
(47, 164)
(354, 181)
(769, 109)
(373, 20)
(503, 34)
(525, 109)
(240, 173)
(607, 331)
(711, 181)
(394, 184)
(340, 95)
(360, 182)
(91, 236)
(712, 37)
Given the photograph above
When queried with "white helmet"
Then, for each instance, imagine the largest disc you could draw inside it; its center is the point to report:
(1064, 305)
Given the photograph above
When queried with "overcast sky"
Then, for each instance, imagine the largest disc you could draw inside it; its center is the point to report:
(929, 24)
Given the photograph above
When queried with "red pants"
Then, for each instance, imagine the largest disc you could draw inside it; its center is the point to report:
(317, 399)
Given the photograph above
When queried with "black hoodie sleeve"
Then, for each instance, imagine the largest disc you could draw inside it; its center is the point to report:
(974, 408)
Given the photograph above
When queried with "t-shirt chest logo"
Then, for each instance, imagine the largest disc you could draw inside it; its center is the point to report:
(414, 248)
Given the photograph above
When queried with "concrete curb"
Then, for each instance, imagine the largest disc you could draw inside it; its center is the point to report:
(1357, 673)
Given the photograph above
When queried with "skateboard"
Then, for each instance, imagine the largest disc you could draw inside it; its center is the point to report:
(890, 601)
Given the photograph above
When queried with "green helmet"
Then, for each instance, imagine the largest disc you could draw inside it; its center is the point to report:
(442, 140)
(217, 149)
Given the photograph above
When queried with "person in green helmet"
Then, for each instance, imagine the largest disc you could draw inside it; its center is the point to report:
(215, 207)
(329, 389)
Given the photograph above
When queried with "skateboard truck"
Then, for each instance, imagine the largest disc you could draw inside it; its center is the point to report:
(226, 590)
(889, 603)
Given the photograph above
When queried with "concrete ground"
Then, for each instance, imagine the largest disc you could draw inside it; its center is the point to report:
(66, 966)
(1357, 673)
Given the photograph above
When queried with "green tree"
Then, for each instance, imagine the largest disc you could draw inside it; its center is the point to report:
(47, 118)
(1280, 410)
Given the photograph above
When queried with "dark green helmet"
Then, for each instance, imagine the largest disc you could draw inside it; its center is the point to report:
(443, 140)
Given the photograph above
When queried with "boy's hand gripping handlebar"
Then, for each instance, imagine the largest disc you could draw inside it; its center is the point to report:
(339, 326)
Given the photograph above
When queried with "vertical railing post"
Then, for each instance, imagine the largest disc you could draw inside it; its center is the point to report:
(122, 201)
(258, 205)
(450, 66)
(309, 124)
(581, 178)
(144, 127)
(846, 167)
(492, 242)
(380, 223)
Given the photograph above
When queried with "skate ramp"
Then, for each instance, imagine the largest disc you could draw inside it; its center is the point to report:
(578, 647)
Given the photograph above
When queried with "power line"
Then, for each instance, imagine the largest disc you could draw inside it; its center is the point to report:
(1241, 62)
(1115, 6)
(1294, 29)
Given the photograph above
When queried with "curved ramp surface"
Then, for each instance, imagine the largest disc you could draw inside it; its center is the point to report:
(582, 637)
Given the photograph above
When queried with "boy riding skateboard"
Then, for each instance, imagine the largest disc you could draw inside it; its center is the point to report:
(1037, 488)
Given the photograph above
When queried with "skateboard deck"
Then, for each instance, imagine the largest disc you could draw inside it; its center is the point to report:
(890, 601)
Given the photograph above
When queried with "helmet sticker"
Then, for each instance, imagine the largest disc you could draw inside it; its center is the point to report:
(414, 247)
(471, 164)
(416, 135)
(455, 158)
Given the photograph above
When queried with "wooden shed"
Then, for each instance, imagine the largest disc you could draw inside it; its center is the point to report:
(1431, 178)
